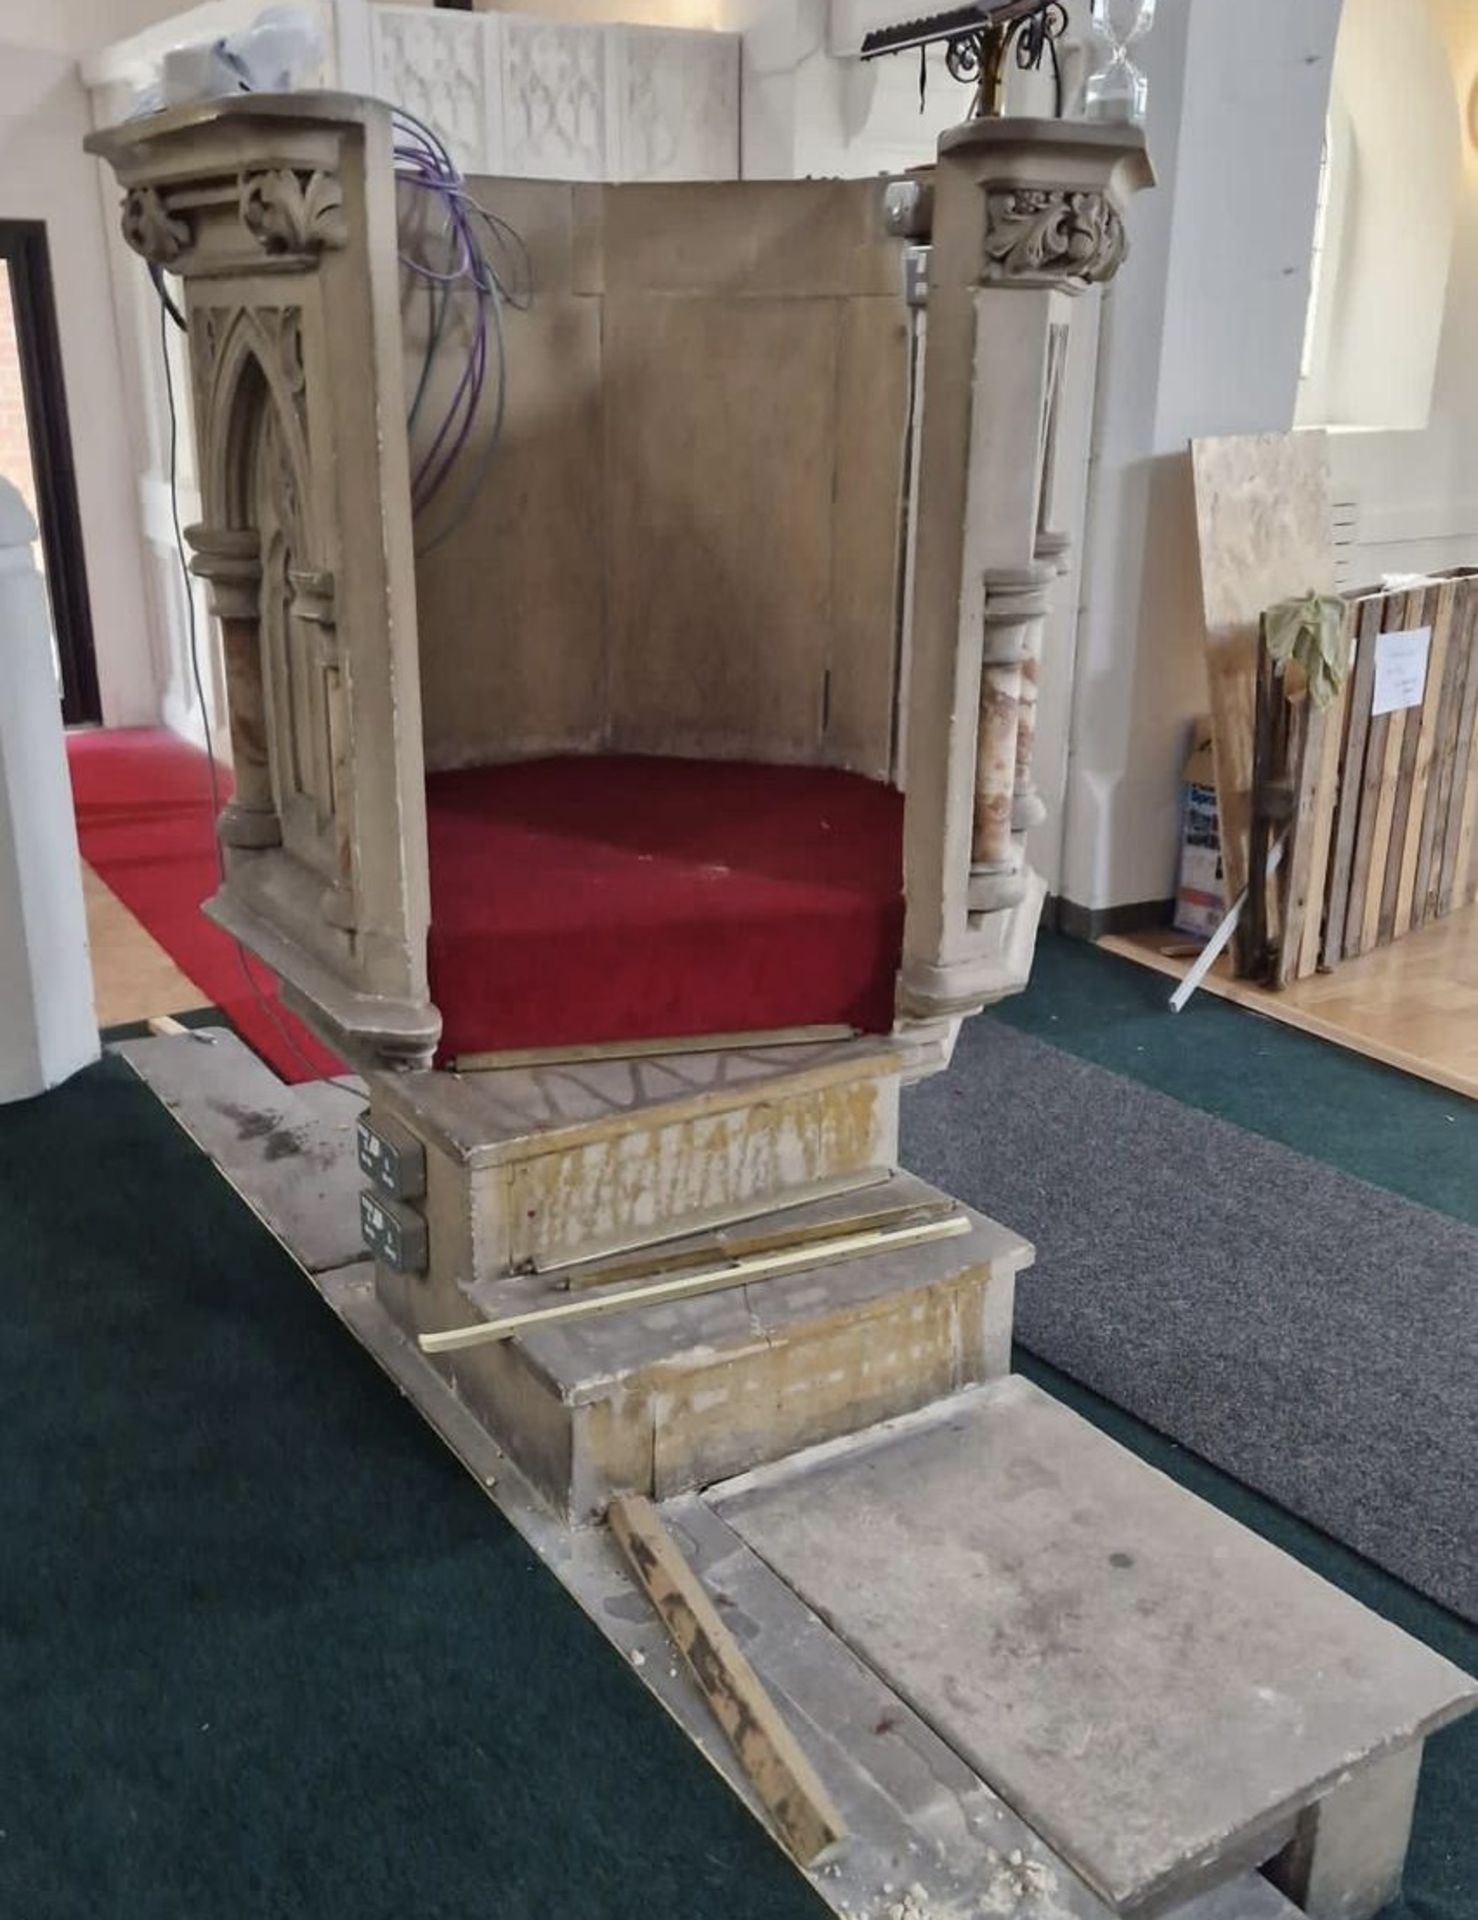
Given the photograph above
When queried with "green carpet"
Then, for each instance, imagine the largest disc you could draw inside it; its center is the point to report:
(266, 1651)
(1366, 1119)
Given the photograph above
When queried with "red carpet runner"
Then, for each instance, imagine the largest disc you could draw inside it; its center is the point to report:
(144, 824)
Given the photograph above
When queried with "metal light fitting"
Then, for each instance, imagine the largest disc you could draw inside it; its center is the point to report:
(979, 42)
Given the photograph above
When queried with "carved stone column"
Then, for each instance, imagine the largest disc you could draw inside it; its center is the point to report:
(275, 213)
(231, 560)
(1024, 216)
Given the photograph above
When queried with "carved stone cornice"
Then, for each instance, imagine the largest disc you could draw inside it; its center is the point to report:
(152, 229)
(292, 213)
(1051, 237)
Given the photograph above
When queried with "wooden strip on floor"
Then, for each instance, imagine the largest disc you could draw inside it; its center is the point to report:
(800, 1806)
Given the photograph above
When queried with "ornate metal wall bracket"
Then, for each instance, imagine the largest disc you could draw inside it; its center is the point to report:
(980, 43)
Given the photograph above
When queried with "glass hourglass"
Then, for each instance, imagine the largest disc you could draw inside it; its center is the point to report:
(1117, 90)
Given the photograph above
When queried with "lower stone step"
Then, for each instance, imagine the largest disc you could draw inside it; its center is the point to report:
(664, 1398)
(1163, 1696)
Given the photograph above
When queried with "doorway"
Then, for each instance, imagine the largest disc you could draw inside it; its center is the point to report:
(36, 455)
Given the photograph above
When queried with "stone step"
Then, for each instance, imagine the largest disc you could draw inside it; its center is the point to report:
(1163, 1696)
(528, 1167)
(670, 1397)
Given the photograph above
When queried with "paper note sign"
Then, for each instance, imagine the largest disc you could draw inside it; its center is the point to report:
(1401, 669)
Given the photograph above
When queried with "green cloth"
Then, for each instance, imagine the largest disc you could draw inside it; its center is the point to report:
(265, 1649)
(1311, 633)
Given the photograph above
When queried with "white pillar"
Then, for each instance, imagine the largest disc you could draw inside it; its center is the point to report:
(47, 1026)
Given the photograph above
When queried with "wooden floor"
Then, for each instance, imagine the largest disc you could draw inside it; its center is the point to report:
(133, 978)
(1413, 1004)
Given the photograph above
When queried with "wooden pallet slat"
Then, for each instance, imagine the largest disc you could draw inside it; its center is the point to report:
(1439, 782)
(1443, 612)
(1450, 884)
(1420, 610)
(1351, 779)
(773, 1760)
(1309, 891)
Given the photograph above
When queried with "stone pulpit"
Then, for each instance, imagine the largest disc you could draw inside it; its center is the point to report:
(639, 832)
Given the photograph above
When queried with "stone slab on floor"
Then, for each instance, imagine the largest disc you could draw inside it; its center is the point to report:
(288, 1151)
(1154, 1688)
(917, 1816)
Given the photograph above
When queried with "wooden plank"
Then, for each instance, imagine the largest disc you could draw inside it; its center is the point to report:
(164, 1026)
(1440, 780)
(721, 433)
(1454, 867)
(646, 1049)
(1443, 613)
(1402, 744)
(1263, 517)
(798, 1803)
(1324, 755)
(1370, 789)
(691, 1286)
(740, 1244)
(1307, 856)
(1351, 781)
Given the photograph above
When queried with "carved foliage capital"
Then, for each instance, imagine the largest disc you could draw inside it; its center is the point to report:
(151, 229)
(1052, 236)
(288, 212)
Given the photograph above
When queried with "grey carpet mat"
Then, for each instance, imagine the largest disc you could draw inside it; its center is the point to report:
(1312, 1335)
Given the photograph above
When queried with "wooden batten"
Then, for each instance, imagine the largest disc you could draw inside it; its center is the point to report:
(788, 1786)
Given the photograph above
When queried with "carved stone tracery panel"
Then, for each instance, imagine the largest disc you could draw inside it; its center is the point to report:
(556, 121)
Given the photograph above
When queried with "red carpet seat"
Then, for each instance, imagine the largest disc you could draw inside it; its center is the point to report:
(583, 900)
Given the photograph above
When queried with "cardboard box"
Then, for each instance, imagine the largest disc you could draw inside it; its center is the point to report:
(1199, 893)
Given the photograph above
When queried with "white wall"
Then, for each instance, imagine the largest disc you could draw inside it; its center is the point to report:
(1394, 191)
(47, 1028)
(1416, 492)
(1202, 334)
(76, 26)
(44, 175)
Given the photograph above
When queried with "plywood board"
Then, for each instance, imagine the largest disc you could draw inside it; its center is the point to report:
(510, 608)
(873, 353)
(721, 425)
(1263, 517)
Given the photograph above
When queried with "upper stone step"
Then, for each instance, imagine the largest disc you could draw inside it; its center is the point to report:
(1159, 1692)
(491, 1117)
(528, 1167)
